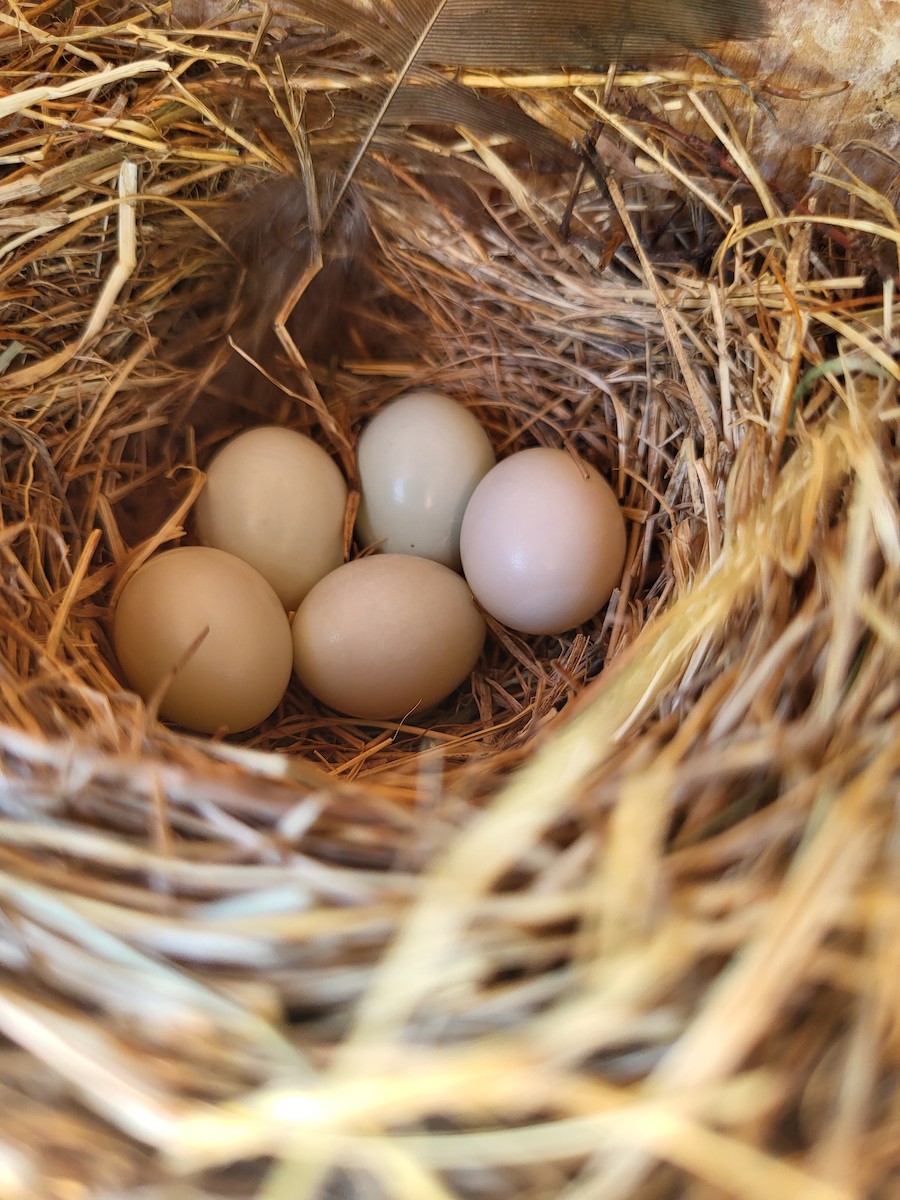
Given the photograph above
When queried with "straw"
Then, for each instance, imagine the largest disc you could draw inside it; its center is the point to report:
(619, 918)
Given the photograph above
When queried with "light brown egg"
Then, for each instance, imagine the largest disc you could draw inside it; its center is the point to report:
(238, 673)
(275, 499)
(543, 541)
(387, 636)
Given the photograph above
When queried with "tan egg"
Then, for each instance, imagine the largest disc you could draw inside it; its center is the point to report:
(387, 636)
(420, 459)
(275, 499)
(543, 541)
(238, 673)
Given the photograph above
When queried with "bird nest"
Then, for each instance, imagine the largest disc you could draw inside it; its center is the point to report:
(619, 919)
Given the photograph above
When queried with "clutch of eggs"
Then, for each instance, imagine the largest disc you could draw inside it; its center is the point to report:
(204, 630)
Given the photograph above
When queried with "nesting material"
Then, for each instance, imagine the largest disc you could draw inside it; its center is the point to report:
(620, 920)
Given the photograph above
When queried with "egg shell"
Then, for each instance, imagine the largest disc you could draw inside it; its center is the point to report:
(275, 499)
(543, 541)
(420, 459)
(385, 636)
(239, 672)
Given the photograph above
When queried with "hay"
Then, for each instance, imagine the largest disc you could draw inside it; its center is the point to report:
(621, 920)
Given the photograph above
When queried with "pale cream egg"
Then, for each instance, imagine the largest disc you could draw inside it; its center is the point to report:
(543, 541)
(211, 625)
(387, 636)
(420, 459)
(275, 499)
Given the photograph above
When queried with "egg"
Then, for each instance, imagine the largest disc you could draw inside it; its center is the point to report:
(275, 499)
(235, 677)
(420, 459)
(387, 636)
(542, 541)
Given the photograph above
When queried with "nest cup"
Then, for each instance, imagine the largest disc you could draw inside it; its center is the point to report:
(619, 918)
